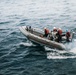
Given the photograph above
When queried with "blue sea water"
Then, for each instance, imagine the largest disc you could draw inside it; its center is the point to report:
(19, 56)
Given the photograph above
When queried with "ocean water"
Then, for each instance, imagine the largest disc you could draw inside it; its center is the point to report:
(19, 56)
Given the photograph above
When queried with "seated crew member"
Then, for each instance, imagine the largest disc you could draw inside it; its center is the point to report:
(59, 35)
(28, 28)
(46, 31)
(67, 35)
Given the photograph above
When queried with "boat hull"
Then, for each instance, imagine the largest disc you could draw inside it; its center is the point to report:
(40, 40)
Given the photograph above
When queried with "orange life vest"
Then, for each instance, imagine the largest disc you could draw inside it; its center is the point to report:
(46, 31)
(60, 32)
(68, 34)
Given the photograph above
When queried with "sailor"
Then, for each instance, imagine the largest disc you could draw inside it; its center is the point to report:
(28, 28)
(46, 31)
(54, 32)
(54, 29)
(60, 31)
(59, 35)
(67, 35)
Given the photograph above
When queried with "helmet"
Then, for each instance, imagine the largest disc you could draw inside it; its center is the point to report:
(44, 27)
(66, 30)
(54, 27)
(59, 29)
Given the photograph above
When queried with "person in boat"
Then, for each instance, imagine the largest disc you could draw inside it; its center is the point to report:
(54, 33)
(68, 35)
(54, 29)
(28, 28)
(59, 35)
(46, 31)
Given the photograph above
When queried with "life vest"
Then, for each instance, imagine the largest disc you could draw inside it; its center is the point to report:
(46, 31)
(68, 34)
(60, 32)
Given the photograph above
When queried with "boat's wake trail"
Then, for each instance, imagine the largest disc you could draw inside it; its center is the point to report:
(54, 53)
(62, 54)
(73, 50)
(27, 44)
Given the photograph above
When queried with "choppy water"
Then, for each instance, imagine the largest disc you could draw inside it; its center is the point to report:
(18, 56)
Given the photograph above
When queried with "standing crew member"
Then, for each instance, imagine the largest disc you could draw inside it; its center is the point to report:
(67, 35)
(59, 35)
(54, 32)
(46, 31)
